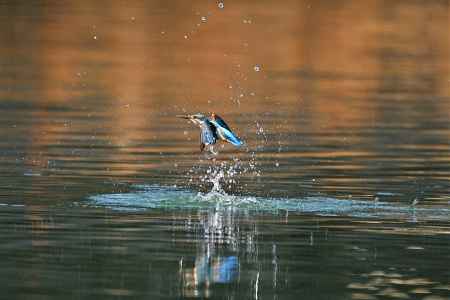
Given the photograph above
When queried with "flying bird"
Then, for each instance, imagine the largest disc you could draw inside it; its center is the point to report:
(212, 129)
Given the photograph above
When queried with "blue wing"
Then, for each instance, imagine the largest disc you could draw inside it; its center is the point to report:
(227, 135)
(223, 131)
(207, 135)
(219, 121)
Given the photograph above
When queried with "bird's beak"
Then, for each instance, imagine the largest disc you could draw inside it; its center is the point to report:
(184, 116)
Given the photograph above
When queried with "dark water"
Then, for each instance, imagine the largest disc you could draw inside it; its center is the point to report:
(341, 192)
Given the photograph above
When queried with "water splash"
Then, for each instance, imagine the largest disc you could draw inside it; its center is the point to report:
(223, 175)
(262, 136)
(219, 176)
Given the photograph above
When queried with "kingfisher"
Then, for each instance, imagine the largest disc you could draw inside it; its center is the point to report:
(212, 129)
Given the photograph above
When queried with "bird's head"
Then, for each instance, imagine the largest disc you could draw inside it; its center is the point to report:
(196, 118)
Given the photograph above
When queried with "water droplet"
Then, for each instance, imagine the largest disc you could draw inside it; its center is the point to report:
(185, 36)
(220, 5)
(277, 164)
(257, 68)
(95, 37)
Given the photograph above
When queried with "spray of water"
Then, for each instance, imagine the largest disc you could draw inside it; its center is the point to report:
(220, 177)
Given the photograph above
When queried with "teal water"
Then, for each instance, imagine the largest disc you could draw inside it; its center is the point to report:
(155, 197)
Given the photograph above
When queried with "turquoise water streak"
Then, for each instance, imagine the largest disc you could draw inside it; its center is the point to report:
(151, 197)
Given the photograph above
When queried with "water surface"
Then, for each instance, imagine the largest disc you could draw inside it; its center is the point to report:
(342, 190)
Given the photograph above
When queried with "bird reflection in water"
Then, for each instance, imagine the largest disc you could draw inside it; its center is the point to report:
(208, 270)
(220, 237)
